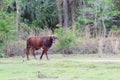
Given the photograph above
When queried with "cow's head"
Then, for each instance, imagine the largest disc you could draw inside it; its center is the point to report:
(53, 38)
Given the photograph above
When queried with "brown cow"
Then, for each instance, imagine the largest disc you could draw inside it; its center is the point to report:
(37, 42)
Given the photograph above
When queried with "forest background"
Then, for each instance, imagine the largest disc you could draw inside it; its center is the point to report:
(82, 26)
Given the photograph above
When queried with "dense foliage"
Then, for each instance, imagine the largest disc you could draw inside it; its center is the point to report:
(66, 38)
(41, 13)
(102, 14)
(90, 18)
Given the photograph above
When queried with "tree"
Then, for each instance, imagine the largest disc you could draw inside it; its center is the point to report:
(59, 8)
(17, 15)
(95, 13)
(73, 11)
(0, 4)
(116, 13)
(41, 13)
(65, 8)
(66, 12)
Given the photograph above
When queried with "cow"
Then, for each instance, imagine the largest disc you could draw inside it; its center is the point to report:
(38, 42)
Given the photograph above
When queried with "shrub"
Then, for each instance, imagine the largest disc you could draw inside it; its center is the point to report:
(15, 48)
(66, 38)
(2, 54)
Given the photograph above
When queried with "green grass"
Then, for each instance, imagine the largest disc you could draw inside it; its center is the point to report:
(58, 68)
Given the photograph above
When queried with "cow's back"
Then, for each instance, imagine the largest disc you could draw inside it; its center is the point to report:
(34, 42)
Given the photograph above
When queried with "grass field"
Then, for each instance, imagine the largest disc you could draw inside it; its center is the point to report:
(71, 67)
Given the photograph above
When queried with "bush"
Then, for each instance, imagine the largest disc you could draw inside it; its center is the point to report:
(3, 30)
(66, 38)
(16, 48)
(2, 54)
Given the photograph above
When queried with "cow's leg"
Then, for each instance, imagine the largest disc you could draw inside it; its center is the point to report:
(33, 53)
(45, 51)
(42, 54)
(27, 53)
(46, 54)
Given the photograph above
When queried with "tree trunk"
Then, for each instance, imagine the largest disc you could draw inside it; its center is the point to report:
(84, 12)
(65, 8)
(17, 16)
(73, 11)
(59, 8)
(73, 14)
(104, 27)
(0, 4)
(95, 22)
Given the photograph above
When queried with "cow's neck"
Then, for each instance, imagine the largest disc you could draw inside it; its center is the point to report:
(50, 43)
